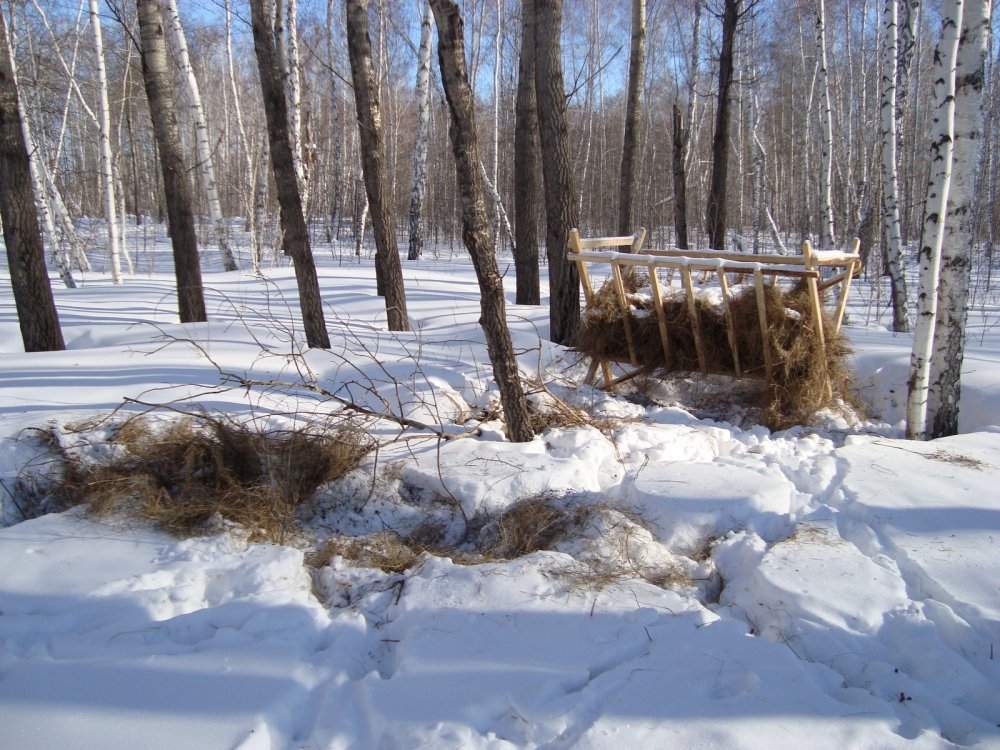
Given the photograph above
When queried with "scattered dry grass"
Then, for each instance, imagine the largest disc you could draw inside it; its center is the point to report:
(796, 387)
(199, 469)
(386, 551)
(957, 459)
(532, 525)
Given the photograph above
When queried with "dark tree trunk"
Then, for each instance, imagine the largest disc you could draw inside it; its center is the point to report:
(680, 181)
(373, 165)
(177, 190)
(716, 213)
(526, 167)
(560, 197)
(636, 68)
(293, 224)
(475, 223)
(36, 309)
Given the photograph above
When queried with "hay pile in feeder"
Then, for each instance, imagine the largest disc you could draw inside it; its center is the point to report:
(796, 389)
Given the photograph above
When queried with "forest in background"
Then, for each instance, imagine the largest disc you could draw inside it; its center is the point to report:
(776, 134)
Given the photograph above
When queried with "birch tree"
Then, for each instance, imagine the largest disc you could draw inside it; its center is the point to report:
(295, 235)
(39, 188)
(526, 166)
(337, 166)
(249, 188)
(107, 172)
(422, 94)
(826, 117)
(717, 200)
(475, 224)
(890, 202)
(36, 310)
(683, 134)
(180, 215)
(561, 209)
(636, 71)
(956, 255)
(293, 90)
(206, 163)
(373, 164)
(935, 214)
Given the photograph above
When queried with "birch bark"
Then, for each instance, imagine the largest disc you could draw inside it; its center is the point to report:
(475, 225)
(104, 121)
(636, 71)
(935, 213)
(826, 115)
(422, 94)
(180, 216)
(526, 166)
(956, 253)
(206, 163)
(36, 310)
(370, 130)
(890, 201)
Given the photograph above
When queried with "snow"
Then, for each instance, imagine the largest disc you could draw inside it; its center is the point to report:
(830, 586)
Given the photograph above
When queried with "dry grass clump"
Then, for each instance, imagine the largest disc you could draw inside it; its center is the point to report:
(797, 383)
(535, 524)
(199, 470)
(385, 551)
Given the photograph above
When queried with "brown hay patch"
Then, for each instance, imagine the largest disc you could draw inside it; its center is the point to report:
(532, 525)
(199, 470)
(385, 551)
(797, 385)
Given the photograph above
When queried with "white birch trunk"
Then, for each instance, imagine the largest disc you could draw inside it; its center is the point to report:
(361, 211)
(759, 157)
(248, 186)
(935, 214)
(502, 220)
(956, 253)
(293, 92)
(827, 240)
(890, 219)
(423, 97)
(206, 163)
(338, 159)
(690, 131)
(260, 204)
(107, 177)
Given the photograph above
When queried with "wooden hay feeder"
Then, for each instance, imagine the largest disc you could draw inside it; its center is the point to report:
(811, 272)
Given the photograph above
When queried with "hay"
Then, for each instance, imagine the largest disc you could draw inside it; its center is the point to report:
(797, 384)
(186, 477)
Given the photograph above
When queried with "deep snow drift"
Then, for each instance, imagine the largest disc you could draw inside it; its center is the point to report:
(832, 586)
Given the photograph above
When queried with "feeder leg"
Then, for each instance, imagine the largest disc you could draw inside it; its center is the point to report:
(727, 295)
(616, 272)
(817, 313)
(758, 279)
(845, 287)
(695, 322)
(661, 318)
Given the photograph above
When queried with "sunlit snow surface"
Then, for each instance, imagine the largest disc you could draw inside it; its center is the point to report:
(860, 574)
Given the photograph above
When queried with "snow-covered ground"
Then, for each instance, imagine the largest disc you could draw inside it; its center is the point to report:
(824, 587)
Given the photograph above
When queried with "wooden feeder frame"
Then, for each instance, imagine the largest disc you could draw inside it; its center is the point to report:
(808, 266)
